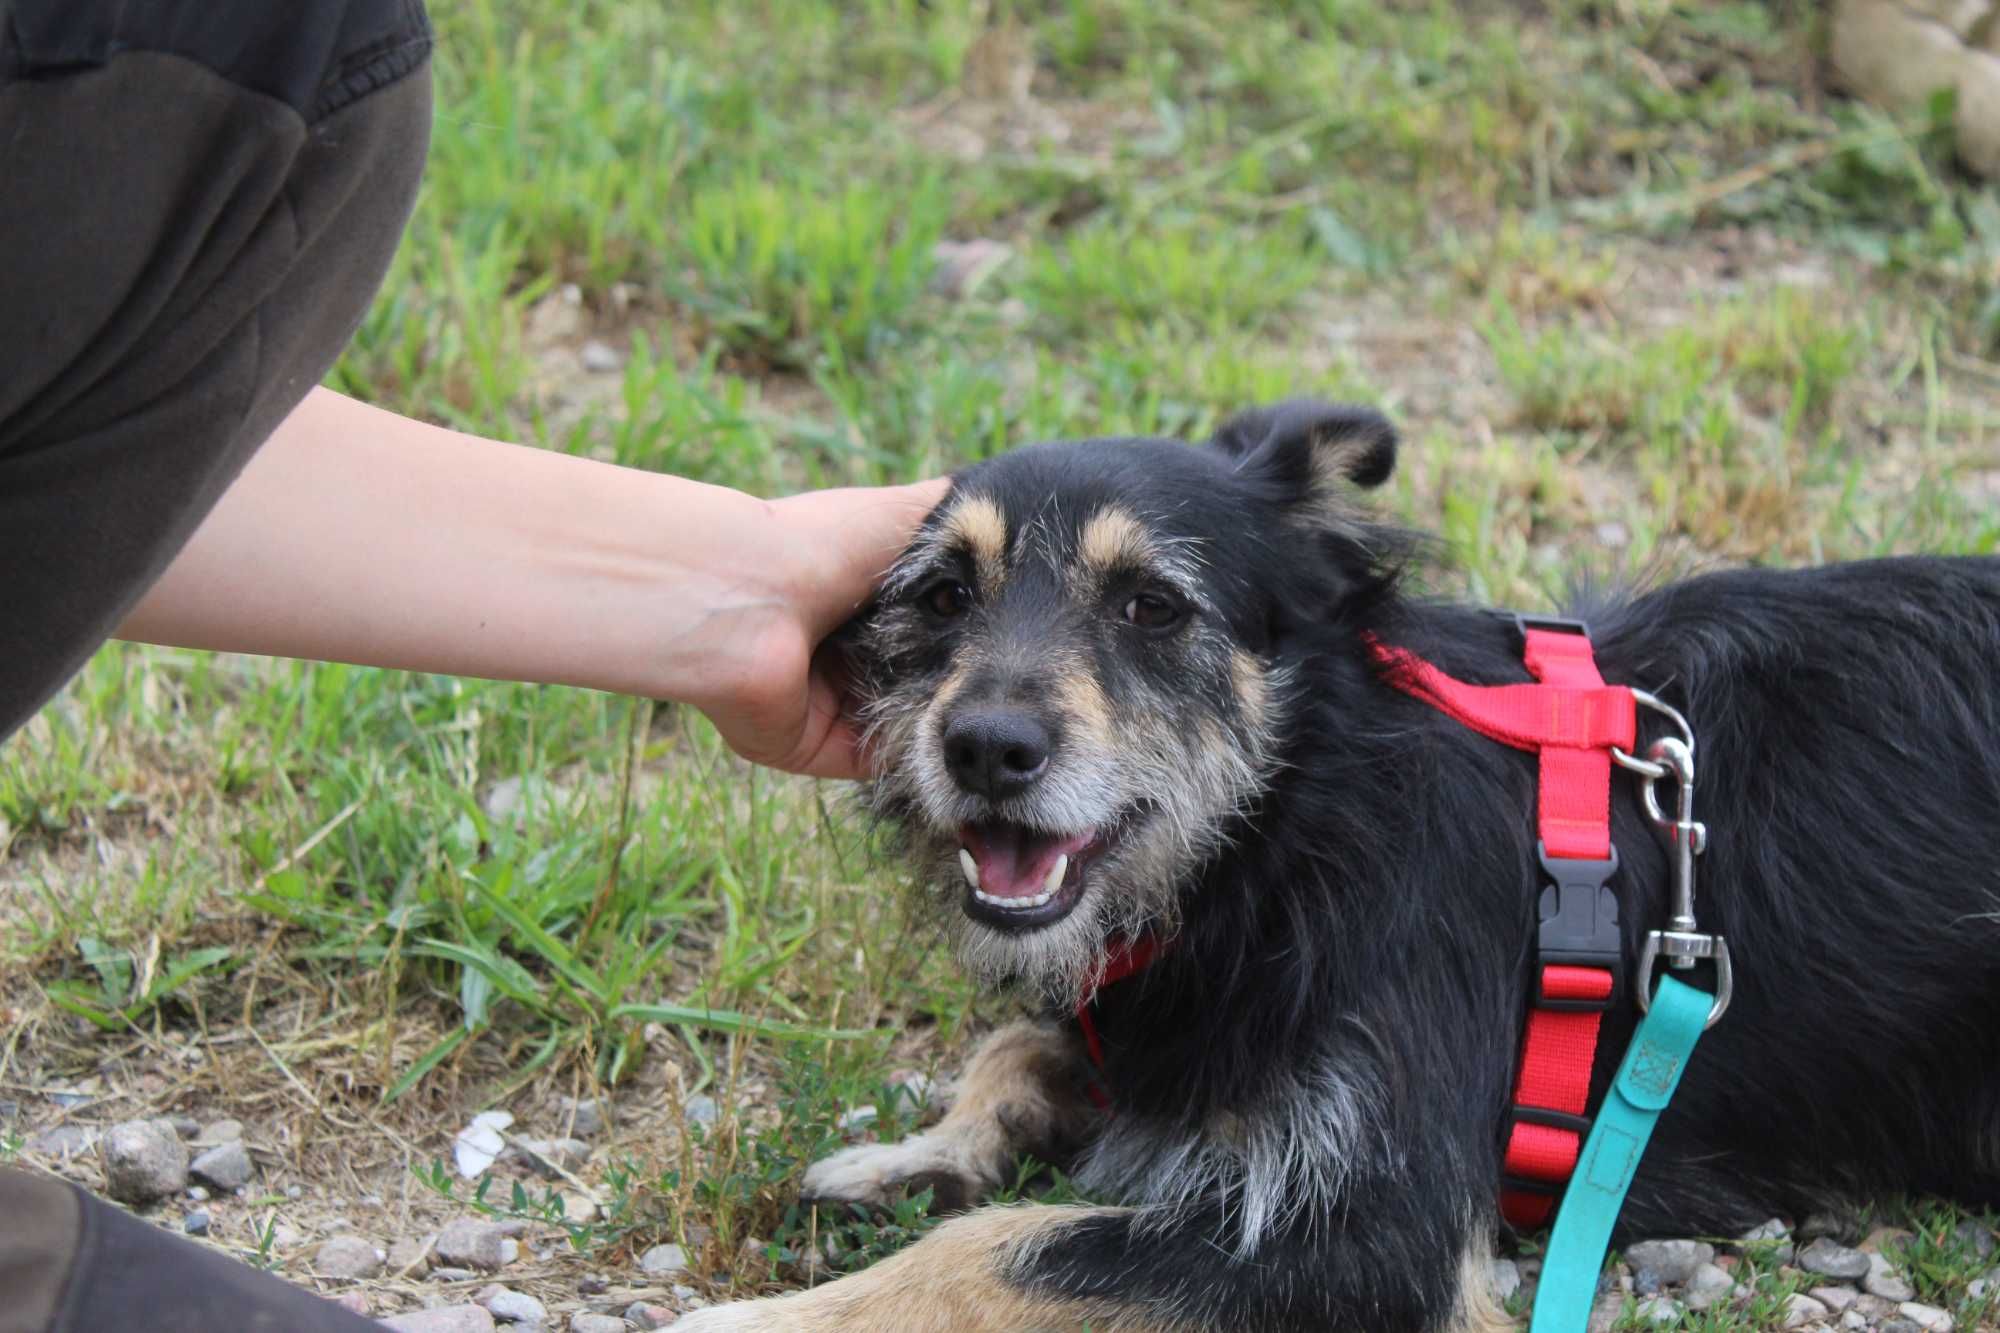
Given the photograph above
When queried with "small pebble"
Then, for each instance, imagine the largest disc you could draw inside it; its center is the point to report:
(858, 1119)
(1854, 1319)
(664, 1261)
(1883, 1280)
(596, 1323)
(510, 1250)
(551, 1158)
(600, 358)
(353, 1300)
(1659, 1310)
(1769, 1243)
(1927, 1317)
(295, 1192)
(583, 1117)
(349, 1258)
(1800, 1309)
(1899, 1325)
(185, 1125)
(196, 1194)
(700, 1110)
(1671, 1261)
(1833, 1259)
(196, 1222)
(472, 1243)
(226, 1166)
(63, 1142)
(1874, 1308)
(452, 1275)
(640, 1314)
(1835, 1298)
(144, 1161)
(1975, 1236)
(1708, 1285)
(512, 1307)
(450, 1319)
(222, 1131)
(411, 1256)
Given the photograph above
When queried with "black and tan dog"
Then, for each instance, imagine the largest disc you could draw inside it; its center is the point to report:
(1124, 689)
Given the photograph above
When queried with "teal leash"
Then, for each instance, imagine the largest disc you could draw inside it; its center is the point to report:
(1646, 1079)
(1675, 1017)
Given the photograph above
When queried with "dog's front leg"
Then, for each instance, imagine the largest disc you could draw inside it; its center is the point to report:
(1023, 1092)
(961, 1278)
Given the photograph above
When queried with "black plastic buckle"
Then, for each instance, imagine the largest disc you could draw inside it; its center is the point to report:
(1524, 621)
(1579, 927)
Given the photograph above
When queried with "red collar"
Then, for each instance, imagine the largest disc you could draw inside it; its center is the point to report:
(1122, 958)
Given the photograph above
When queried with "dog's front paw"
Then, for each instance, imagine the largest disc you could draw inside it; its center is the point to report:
(877, 1175)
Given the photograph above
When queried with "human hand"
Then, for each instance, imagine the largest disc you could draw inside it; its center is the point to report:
(776, 696)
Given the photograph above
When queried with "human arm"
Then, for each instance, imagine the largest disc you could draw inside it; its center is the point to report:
(357, 535)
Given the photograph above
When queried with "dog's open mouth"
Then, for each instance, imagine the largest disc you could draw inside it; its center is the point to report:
(1018, 878)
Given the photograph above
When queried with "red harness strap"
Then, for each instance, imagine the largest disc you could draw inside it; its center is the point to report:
(1572, 719)
(1123, 958)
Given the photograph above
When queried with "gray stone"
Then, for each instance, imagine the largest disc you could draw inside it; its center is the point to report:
(1833, 1259)
(1927, 1317)
(512, 1307)
(1898, 1325)
(1975, 1236)
(1659, 1310)
(197, 1194)
(642, 1314)
(596, 1323)
(1770, 1242)
(411, 1256)
(1671, 1261)
(1837, 1299)
(510, 1249)
(1505, 1279)
(700, 1110)
(185, 1125)
(664, 1261)
(593, 1284)
(858, 1119)
(1883, 1281)
(600, 358)
(1707, 1285)
(1800, 1309)
(63, 1142)
(222, 1131)
(471, 1243)
(553, 1158)
(1874, 1307)
(584, 1117)
(196, 1223)
(453, 1275)
(292, 1192)
(450, 1319)
(144, 1161)
(1854, 1319)
(349, 1258)
(226, 1166)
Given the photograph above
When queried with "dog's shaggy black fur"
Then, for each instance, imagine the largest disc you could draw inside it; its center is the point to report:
(1310, 1087)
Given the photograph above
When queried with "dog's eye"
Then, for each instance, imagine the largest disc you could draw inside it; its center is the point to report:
(1149, 610)
(946, 598)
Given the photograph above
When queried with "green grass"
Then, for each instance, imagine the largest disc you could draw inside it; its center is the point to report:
(1640, 295)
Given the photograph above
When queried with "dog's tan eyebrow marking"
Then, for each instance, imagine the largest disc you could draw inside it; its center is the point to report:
(1113, 539)
(978, 527)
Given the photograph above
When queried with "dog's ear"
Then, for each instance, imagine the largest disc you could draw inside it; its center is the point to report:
(1311, 453)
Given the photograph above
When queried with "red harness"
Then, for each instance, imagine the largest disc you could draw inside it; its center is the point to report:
(1572, 719)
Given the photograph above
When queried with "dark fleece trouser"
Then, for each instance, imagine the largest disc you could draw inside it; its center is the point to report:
(198, 199)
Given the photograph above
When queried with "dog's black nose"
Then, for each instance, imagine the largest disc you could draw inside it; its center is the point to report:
(996, 752)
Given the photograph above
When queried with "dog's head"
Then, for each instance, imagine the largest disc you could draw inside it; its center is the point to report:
(1076, 678)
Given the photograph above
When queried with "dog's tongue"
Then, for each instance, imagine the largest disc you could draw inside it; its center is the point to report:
(1014, 862)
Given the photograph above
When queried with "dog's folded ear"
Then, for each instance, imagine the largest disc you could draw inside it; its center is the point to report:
(1311, 451)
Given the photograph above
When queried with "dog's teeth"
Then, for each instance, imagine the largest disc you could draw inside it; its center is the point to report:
(971, 869)
(1055, 879)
